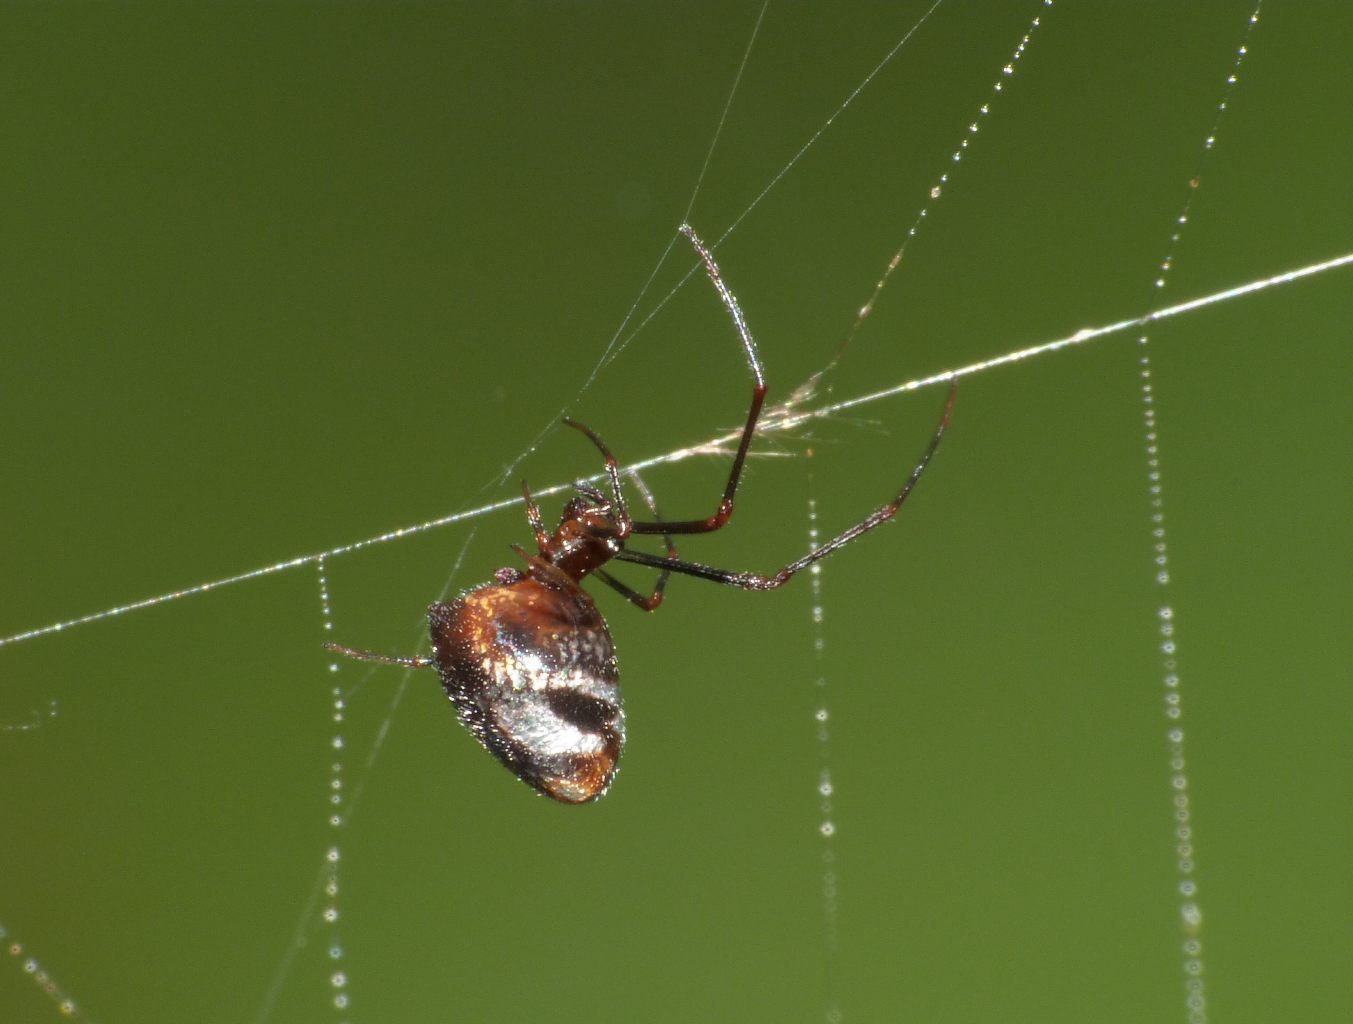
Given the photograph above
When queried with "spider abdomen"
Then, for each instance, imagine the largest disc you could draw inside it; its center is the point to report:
(532, 673)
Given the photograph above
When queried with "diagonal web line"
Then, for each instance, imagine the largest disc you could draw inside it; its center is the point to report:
(715, 444)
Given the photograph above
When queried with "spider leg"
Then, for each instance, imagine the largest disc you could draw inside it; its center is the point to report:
(647, 495)
(621, 512)
(546, 572)
(533, 517)
(755, 581)
(651, 602)
(725, 509)
(630, 594)
(384, 659)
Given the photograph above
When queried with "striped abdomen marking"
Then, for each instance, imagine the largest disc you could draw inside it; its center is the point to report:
(532, 672)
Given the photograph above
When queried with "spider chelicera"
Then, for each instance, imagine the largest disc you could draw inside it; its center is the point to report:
(527, 659)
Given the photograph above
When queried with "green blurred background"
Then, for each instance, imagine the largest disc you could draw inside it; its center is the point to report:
(279, 278)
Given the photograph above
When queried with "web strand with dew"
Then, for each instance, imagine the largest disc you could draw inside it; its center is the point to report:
(712, 446)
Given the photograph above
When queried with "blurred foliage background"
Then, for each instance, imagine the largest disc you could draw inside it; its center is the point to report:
(279, 278)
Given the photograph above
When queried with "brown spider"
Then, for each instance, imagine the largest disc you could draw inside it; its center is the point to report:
(527, 659)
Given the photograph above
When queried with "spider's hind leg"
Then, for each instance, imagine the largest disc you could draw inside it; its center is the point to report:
(381, 659)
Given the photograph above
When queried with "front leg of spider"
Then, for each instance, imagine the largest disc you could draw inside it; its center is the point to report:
(527, 660)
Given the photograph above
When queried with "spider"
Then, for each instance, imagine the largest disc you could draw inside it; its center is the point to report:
(527, 660)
